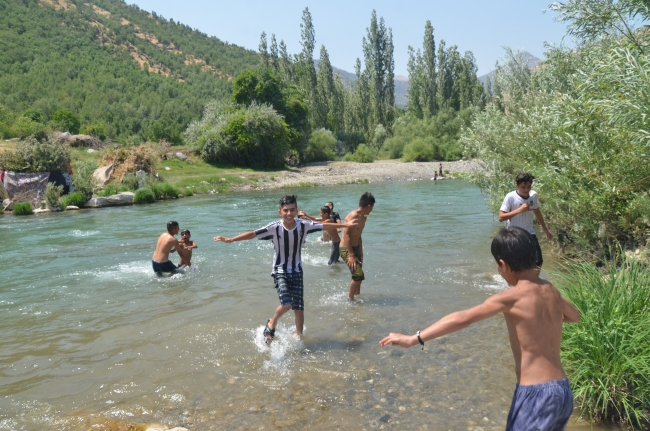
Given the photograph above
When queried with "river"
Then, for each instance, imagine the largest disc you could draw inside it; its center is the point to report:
(91, 339)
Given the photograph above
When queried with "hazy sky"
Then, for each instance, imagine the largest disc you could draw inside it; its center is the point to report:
(478, 26)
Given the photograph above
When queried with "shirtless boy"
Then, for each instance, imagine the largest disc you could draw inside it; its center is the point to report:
(188, 245)
(167, 244)
(351, 244)
(534, 311)
(332, 231)
(288, 235)
(335, 217)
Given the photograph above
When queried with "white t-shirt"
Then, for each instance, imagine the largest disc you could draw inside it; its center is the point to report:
(513, 201)
(287, 243)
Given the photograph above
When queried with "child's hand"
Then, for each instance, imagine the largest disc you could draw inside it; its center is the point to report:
(549, 235)
(399, 340)
(222, 239)
(524, 207)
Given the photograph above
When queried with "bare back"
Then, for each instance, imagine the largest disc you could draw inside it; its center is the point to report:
(166, 242)
(534, 322)
(352, 235)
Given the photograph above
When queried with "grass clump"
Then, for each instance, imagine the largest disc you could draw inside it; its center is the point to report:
(75, 198)
(53, 194)
(144, 196)
(23, 208)
(188, 192)
(607, 354)
(108, 190)
(164, 191)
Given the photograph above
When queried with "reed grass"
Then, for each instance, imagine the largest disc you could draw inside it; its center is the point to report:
(75, 198)
(23, 208)
(144, 196)
(607, 354)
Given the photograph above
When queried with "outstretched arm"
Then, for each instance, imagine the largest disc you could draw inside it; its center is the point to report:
(240, 237)
(450, 323)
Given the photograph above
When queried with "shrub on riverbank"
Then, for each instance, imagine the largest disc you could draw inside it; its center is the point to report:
(83, 180)
(607, 354)
(23, 208)
(363, 154)
(144, 196)
(53, 194)
(164, 191)
(37, 153)
(76, 199)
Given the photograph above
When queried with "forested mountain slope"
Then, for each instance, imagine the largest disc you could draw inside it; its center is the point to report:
(138, 75)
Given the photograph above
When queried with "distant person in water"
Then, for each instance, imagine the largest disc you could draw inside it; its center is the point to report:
(534, 311)
(518, 208)
(352, 245)
(167, 243)
(435, 176)
(332, 231)
(288, 235)
(188, 246)
(440, 169)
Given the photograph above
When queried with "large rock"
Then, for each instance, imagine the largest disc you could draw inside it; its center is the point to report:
(83, 141)
(181, 156)
(103, 175)
(8, 205)
(124, 198)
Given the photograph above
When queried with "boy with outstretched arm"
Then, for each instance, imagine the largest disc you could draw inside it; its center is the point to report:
(516, 209)
(352, 244)
(288, 235)
(189, 245)
(331, 230)
(534, 312)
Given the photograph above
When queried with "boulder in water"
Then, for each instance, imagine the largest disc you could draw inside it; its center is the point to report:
(71, 208)
(42, 210)
(8, 205)
(124, 198)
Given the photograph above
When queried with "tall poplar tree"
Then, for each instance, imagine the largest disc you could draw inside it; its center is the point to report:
(416, 78)
(306, 71)
(274, 57)
(264, 52)
(429, 71)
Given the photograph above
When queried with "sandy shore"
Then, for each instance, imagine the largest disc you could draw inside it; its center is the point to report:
(333, 173)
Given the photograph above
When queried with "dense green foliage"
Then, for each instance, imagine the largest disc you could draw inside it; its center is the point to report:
(23, 208)
(321, 146)
(580, 126)
(429, 138)
(163, 190)
(144, 196)
(82, 178)
(36, 154)
(72, 199)
(607, 354)
(363, 154)
(254, 136)
(53, 194)
(86, 59)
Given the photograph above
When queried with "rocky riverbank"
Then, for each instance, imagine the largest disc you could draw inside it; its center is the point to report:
(333, 173)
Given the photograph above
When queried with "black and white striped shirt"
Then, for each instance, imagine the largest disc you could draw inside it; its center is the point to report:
(287, 243)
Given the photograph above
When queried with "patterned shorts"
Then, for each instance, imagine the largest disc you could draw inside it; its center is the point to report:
(290, 288)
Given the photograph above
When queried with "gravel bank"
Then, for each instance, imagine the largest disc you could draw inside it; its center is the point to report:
(333, 173)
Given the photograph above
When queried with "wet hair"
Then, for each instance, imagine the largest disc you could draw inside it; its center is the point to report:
(288, 200)
(330, 203)
(524, 177)
(186, 231)
(366, 199)
(516, 247)
(327, 210)
(171, 225)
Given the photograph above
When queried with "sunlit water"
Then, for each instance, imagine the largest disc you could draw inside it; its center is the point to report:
(90, 336)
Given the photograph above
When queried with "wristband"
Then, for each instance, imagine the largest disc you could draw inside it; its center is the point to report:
(420, 339)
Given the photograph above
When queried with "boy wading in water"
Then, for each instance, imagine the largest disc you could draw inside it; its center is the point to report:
(288, 236)
(189, 246)
(516, 209)
(332, 231)
(351, 244)
(534, 311)
(167, 244)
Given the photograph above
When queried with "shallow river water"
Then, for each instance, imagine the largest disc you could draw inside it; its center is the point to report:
(91, 339)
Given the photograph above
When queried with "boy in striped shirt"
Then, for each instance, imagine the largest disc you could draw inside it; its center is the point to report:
(288, 235)
(517, 207)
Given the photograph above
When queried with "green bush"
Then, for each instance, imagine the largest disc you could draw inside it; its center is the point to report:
(607, 354)
(53, 194)
(95, 129)
(75, 199)
(130, 181)
(108, 190)
(320, 146)
(144, 196)
(66, 121)
(254, 136)
(363, 154)
(82, 177)
(418, 150)
(23, 208)
(163, 190)
(188, 192)
(24, 126)
(36, 155)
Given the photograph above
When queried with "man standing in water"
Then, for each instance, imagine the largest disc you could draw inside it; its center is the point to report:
(534, 311)
(167, 243)
(351, 245)
(288, 235)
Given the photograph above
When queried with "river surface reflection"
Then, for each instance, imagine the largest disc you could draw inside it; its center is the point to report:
(91, 339)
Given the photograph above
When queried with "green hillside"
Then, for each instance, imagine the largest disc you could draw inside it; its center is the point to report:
(137, 75)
